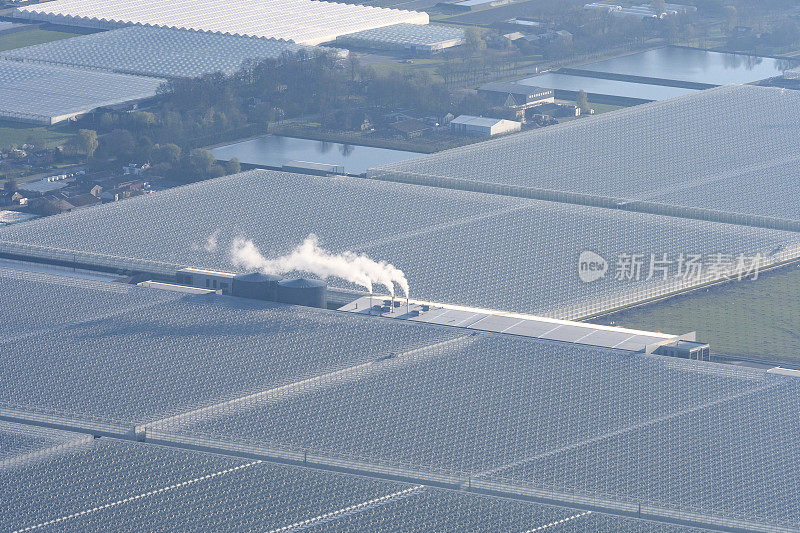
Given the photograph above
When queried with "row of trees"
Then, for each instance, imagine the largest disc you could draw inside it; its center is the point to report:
(212, 108)
(168, 159)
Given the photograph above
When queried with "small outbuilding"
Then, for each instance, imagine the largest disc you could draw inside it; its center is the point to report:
(411, 128)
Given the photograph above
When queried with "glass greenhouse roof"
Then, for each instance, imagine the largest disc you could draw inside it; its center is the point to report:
(405, 34)
(164, 52)
(456, 247)
(106, 485)
(730, 149)
(302, 21)
(49, 93)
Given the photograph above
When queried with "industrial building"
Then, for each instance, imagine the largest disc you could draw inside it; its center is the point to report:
(483, 126)
(470, 5)
(519, 98)
(426, 38)
(309, 167)
(307, 22)
(657, 74)
(160, 52)
(605, 91)
(256, 286)
(513, 94)
(48, 94)
(675, 66)
(530, 326)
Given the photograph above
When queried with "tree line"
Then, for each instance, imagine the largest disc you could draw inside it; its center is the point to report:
(190, 112)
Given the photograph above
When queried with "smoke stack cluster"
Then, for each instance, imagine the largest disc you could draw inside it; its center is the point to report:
(309, 257)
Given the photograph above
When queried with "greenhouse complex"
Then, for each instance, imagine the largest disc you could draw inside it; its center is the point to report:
(47, 94)
(459, 247)
(302, 21)
(426, 38)
(165, 39)
(701, 155)
(431, 345)
(264, 412)
(160, 52)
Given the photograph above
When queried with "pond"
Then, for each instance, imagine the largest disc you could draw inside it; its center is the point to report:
(687, 64)
(276, 150)
(565, 82)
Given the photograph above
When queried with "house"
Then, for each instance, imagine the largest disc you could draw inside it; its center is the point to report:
(134, 169)
(551, 36)
(530, 23)
(411, 128)
(137, 185)
(396, 116)
(557, 110)
(116, 189)
(84, 200)
(18, 199)
(115, 195)
(514, 36)
(602, 7)
(49, 205)
(483, 126)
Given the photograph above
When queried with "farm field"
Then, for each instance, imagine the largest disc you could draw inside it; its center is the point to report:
(758, 319)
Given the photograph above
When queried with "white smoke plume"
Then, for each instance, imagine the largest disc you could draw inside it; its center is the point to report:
(212, 242)
(309, 257)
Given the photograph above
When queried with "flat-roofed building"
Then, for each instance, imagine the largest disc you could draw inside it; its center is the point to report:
(483, 126)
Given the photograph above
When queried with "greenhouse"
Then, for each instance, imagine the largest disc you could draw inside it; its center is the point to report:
(706, 442)
(48, 94)
(161, 52)
(22, 443)
(104, 485)
(427, 38)
(480, 250)
(105, 367)
(707, 151)
(302, 21)
(602, 436)
(64, 301)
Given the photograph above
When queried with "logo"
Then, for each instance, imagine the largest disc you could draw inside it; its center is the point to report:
(591, 266)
